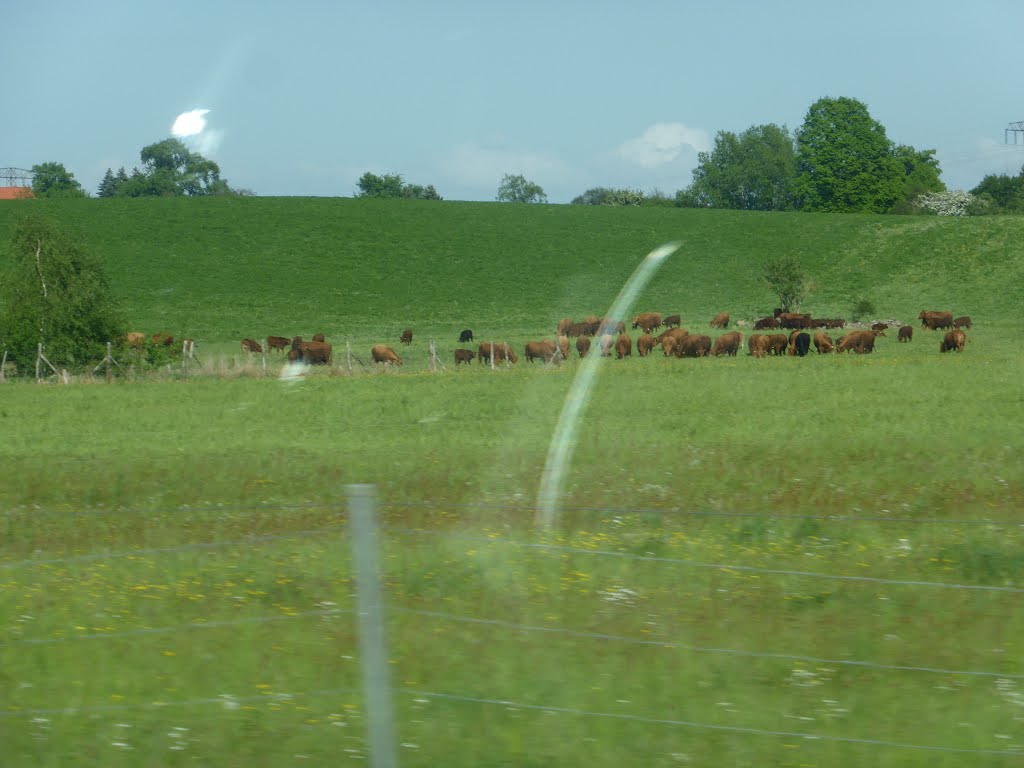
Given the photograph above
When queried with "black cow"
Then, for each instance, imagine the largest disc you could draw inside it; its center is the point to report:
(466, 335)
(802, 343)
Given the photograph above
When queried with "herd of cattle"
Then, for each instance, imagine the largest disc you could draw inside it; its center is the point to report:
(611, 338)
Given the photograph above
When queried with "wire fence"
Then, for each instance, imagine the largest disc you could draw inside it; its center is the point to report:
(381, 744)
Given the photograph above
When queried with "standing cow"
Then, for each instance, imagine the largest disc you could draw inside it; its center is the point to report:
(406, 337)
(935, 321)
(645, 344)
(583, 345)
(543, 350)
(721, 320)
(464, 356)
(953, 340)
(906, 333)
(466, 336)
(648, 321)
(382, 353)
(623, 346)
(728, 344)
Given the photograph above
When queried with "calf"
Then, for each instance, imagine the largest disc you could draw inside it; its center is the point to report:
(279, 343)
(406, 337)
(963, 322)
(953, 340)
(464, 356)
(248, 345)
(906, 333)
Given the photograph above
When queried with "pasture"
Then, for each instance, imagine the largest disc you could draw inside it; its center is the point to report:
(785, 561)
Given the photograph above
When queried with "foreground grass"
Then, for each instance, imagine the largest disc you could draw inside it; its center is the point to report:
(753, 549)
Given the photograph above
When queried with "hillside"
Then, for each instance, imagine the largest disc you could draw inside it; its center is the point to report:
(219, 269)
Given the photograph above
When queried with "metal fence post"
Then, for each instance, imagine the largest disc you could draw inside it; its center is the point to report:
(373, 654)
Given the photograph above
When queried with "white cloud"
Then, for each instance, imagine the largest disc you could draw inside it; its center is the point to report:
(662, 143)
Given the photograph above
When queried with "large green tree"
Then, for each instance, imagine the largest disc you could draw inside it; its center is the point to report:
(54, 180)
(55, 293)
(392, 185)
(752, 171)
(1002, 193)
(519, 189)
(169, 169)
(845, 162)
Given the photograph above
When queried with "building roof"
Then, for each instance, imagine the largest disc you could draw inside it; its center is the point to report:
(15, 193)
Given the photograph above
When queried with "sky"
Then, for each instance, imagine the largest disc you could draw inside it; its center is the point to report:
(304, 97)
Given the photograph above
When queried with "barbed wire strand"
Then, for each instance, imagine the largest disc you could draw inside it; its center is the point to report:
(228, 700)
(709, 726)
(583, 634)
(718, 566)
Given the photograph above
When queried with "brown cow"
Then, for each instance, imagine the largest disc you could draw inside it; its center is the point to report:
(607, 342)
(861, 342)
(583, 345)
(879, 326)
(280, 343)
(161, 339)
(464, 356)
(319, 337)
(543, 350)
(963, 322)
(382, 353)
(312, 352)
(777, 343)
(669, 338)
(692, 345)
(135, 339)
(721, 320)
(645, 344)
(935, 320)
(953, 340)
(794, 320)
(757, 344)
(765, 323)
(728, 344)
(502, 352)
(823, 343)
(623, 346)
(648, 321)
(563, 347)
(406, 337)
(248, 345)
(672, 321)
(906, 333)
(564, 325)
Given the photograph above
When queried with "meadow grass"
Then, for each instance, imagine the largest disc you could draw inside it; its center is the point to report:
(750, 550)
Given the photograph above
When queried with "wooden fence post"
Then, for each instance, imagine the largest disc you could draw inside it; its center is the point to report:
(3, 368)
(492, 355)
(348, 355)
(39, 355)
(106, 362)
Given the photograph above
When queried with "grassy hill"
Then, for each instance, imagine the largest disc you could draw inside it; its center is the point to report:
(220, 269)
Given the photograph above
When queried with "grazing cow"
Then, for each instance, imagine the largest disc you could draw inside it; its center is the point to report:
(161, 339)
(835, 322)
(757, 344)
(611, 326)
(280, 343)
(800, 344)
(563, 326)
(861, 342)
(645, 344)
(464, 356)
(311, 352)
(135, 339)
(668, 339)
(502, 352)
(765, 323)
(728, 344)
(953, 340)
(823, 343)
(319, 337)
(672, 321)
(721, 320)
(591, 319)
(777, 343)
(465, 336)
(563, 347)
(248, 345)
(879, 326)
(906, 333)
(543, 350)
(607, 342)
(692, 345)
(406, 337)
(583, 345)
(935, 320)
(794, 320)
(963, 322)
(623, 346)
(382, 353)
(648, 321)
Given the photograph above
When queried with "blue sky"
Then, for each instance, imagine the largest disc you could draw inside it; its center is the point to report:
(306, 96)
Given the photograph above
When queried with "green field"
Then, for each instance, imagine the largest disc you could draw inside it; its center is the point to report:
(786, 561)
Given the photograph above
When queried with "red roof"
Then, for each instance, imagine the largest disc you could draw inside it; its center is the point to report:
(15, 193)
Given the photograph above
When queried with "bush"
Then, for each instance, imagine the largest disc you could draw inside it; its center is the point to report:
(787, 278)
(55, 293)
(862, 307)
